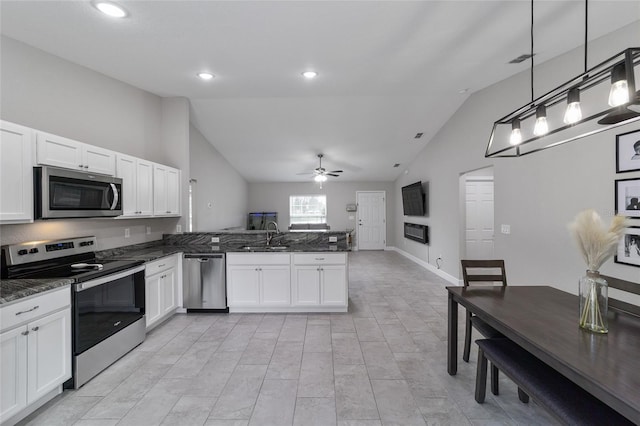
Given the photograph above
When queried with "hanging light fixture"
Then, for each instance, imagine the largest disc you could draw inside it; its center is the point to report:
(600, 98)
(573, 113)
(541, 127)
(516, 135)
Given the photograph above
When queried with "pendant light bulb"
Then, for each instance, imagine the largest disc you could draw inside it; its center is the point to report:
(516, 135)
(619, 93)
(573, 114)
(320, 178)
(541, 127)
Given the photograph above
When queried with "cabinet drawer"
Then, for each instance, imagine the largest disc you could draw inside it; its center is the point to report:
(160, 265)
(319, 259)
(258, 258)
(27, 310)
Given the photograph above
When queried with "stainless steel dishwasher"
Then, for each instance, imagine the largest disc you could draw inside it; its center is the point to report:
(204, 283)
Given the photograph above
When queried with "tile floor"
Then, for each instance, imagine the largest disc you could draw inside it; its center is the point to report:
(383, 363)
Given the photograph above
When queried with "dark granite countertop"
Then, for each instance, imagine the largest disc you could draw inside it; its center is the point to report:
(149, 254)
(13, 290)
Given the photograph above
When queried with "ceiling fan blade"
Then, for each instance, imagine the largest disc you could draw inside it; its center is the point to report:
(305, 174)
(335, 171)
(331, 174)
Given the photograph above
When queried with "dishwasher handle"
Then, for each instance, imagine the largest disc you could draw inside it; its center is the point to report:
(202, 256)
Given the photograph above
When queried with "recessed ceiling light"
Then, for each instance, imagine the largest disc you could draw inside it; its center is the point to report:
(110, 9)
(463, 91)
(309, 74)
(205, 75)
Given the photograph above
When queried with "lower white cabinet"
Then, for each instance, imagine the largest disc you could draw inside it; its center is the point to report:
(35, 357)
(258, 280)
(320, 279)
(161, 289)
(282, 282)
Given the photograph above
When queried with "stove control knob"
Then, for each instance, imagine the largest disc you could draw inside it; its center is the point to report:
(33, 250)
(22, 252)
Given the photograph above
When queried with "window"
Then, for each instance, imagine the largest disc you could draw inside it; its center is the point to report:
(308, 209)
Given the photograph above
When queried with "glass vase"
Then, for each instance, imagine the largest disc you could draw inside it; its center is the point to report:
(593, 302)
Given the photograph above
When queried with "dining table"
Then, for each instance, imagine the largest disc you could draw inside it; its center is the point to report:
(544, 321)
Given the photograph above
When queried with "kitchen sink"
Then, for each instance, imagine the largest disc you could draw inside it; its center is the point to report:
(265, 248)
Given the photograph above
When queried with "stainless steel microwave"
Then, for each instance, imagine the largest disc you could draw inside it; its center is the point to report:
(61, 193)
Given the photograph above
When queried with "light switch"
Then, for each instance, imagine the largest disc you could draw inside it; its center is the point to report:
(127, 233)
(178, 228)
(148, 230)
(505, 229)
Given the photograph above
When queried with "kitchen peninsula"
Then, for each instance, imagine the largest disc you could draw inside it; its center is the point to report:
(295, 272)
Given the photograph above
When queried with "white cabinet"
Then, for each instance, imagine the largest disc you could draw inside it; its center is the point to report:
(166, 191)
(261, 281)
(137, 184)
(35, 351)
(16, 174)
(320, 279)
(57, 151)
(161, 289)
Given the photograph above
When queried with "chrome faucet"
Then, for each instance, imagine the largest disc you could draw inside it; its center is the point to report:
(269, 234)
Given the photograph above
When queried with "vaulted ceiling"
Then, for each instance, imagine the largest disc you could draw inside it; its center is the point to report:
(387, 69)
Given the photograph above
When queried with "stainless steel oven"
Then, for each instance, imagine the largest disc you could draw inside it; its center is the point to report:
(61, 193)
(108, 321)
(107, 298)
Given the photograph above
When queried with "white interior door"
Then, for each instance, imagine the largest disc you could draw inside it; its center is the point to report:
(372, 227)
(479, 218)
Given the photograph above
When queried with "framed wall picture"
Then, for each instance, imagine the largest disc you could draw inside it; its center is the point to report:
(629, 247)
(628, 197)
(628, 152)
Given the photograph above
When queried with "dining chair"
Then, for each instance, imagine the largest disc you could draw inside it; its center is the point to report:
(485, 272)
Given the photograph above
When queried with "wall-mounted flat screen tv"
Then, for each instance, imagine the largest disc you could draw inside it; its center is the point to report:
(413, 200)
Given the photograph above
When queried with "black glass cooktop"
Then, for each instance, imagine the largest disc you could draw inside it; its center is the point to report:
(83, 274)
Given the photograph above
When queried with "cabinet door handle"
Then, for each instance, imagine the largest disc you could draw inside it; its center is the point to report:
(86, 167)
(319, 258)
(80, 165)
(160, 266)
(168, 211)
(117, 323)
(35, 328)
(28, 310)
(24, 333)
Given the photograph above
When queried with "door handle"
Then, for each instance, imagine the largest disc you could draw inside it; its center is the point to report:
(35, 328)
(115, 196)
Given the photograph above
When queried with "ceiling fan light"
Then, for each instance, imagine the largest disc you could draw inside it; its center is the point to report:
(320, 178)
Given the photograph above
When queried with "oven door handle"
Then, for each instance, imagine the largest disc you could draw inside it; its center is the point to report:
(103, 280)
(115, 196)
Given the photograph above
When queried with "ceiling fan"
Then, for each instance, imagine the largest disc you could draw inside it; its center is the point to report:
(320, 173)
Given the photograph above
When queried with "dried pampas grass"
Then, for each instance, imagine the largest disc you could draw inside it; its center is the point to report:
(595, 241)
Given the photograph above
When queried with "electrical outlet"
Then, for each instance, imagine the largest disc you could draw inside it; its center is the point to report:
(148, 230)
(505, 229)
(127, 233)
(215, 239)
(178, 228)
(352, 217)
(333, 239)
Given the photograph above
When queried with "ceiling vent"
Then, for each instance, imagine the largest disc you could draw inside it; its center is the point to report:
(521, 58)
(418, 135)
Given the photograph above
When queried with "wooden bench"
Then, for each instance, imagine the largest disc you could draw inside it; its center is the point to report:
(568, 402)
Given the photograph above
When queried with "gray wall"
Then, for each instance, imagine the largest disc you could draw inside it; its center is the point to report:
(264, 197)
(218, 184)
(48, 93)
(538, 195)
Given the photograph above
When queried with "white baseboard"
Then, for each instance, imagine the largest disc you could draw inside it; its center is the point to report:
(429, 267)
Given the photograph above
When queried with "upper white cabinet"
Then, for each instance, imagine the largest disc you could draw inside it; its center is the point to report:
(137, 179)
(166, 191)
(57, 151)
(16, 174)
